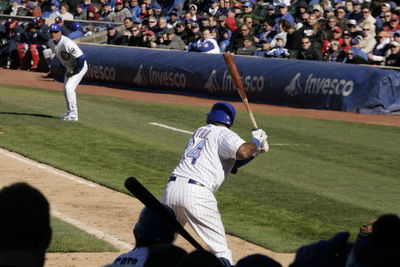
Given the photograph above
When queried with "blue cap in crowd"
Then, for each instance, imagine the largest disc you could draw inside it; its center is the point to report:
(106, 4)
(55, 27)
(18, 1)
(110, 26)
(270, 6)
(354, 41)
(248, 4)
(282, 5)
(55, 3)
(31, 5)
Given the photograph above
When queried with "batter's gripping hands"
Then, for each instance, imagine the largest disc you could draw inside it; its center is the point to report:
(259, 137)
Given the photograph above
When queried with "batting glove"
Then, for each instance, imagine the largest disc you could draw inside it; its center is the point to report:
(259, 137)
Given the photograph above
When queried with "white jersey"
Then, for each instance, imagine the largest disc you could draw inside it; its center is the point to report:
(209, 156)
(136, 257)
(66, 51)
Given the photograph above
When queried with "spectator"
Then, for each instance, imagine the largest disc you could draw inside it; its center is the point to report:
(248, 21)
(331, 252)
(308, 51)
(394, 57)
(76, 31)
(380, 19)
(353, 28)
(248, 47)
(293, 39)
(248, 13)
(302, 20)
(265, 47)
(260, 10)
(80, 12)
(279, 51)
(12, 35)
(265, 33)
(311, 29)
(231, 20)
(332, 51)
(342, 21)
(113, 36)
(301, 8)
(199, 258)
(337, 37)
(257, 260)
(351, 57)
(205, 45)
(93, 12)
(327, 29)
(213, 9)
(271, 13)
(193, 13)
(25, 228)
(377, 57)
(152, 23)
(126, 35)
(368, 19)
(166, 255)
(162, 25)
(393, 25)
(38, 38)
(15, 8)
(54, 6)
(318, 12)
(357, 14)
(367, 40)
(151, 229)
(183, 32)
(62, 13)
(120, 12)
(283, 14)
(136, 37)
(34, 9)
(355, 46)
(346, 40)
(194, 33)
(224, 40)
(173, 20)
(134, 8)
(128, 23)
(238, 37)
(281, 34)
(173, 41)
(148, 38)
(379, 248)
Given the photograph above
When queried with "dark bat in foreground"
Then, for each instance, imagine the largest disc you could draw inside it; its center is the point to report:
(151, 202)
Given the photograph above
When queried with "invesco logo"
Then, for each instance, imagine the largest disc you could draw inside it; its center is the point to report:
(100, 72)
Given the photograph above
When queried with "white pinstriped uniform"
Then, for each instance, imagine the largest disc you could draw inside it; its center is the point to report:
(208, 158)
(67, 51)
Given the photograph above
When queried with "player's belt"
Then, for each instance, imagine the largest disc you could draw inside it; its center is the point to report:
(190, 181)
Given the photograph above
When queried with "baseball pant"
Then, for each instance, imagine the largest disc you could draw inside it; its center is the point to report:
(197, 206)
(70, 84)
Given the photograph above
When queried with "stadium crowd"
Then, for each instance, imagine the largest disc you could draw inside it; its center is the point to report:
(26, 234)
(348, 31)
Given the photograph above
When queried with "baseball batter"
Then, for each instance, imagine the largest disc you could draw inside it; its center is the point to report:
(211, 154)
(72, 58)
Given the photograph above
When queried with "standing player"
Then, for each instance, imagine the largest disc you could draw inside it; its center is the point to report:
(72, 58)
(211, 154)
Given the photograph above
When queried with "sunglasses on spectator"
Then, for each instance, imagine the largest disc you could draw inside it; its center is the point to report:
(365, 29)
(349, 53)
(305, 42)
(152, 21)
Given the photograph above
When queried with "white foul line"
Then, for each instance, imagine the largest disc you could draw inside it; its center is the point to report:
(169, 127)
(99, 234)
(45, 167)
(188, 132)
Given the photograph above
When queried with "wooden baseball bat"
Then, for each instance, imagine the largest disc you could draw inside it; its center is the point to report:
(239, 85)
(151, 202)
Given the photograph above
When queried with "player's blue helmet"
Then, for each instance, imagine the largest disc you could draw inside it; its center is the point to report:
(152, 228)
(222, 112)
(76, 26)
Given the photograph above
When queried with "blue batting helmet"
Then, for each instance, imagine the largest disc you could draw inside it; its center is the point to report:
(222, 112)
(75, 26)
(152, 228)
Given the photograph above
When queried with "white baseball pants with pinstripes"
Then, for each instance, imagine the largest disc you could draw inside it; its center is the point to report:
(70, 85)
(197, 206)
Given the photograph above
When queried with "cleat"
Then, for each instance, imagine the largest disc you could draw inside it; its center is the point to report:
(69, 117)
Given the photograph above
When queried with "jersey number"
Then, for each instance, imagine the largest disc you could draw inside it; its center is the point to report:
(194, 152)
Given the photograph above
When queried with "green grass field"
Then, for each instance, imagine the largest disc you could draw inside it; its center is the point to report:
(331, 176)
